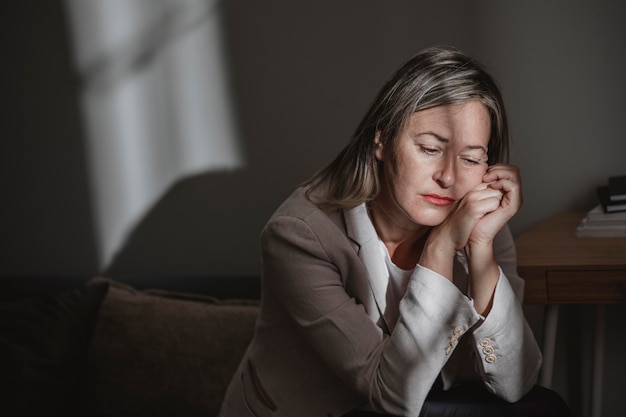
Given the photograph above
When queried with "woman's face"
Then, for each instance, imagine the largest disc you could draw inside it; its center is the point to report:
(440, 155)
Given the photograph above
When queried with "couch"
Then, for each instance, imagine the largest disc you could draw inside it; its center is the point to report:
(122, 347)
(153, 347)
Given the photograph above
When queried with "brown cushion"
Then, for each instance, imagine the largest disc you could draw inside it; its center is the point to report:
(43, 349)
(165, 354)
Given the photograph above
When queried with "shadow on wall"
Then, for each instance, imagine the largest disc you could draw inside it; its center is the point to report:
(210, 223)
(297, 100)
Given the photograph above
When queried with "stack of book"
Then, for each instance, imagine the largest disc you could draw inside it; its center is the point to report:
(613, 196)
(608, 218)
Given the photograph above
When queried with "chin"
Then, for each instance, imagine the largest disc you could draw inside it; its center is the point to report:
(432, 217)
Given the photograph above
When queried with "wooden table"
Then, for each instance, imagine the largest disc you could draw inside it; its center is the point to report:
(560, 268)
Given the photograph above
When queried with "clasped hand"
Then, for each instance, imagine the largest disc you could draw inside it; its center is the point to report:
(483, 211)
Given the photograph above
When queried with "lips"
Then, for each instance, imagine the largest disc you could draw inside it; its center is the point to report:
(439, 200)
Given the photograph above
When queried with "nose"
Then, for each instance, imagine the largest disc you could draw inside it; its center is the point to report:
(445, 174)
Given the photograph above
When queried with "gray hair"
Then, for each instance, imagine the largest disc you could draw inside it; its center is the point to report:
(436, 76)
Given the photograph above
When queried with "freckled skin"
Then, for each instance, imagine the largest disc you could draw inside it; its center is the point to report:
(439, 196)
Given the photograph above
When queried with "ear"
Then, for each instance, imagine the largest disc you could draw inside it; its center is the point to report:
(378, 147)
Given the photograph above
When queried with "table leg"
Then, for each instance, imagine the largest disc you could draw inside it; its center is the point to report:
(549, 343)
(598, 362)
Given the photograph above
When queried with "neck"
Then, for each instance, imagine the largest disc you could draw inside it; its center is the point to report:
(404, 240)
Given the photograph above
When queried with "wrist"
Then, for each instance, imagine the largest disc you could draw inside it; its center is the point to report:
(481, 260)
(438, 257)
(479, 250)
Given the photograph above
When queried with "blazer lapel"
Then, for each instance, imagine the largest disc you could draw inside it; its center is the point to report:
(360, 229)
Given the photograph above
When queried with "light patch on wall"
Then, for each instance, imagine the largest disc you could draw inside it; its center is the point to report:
(156, 103)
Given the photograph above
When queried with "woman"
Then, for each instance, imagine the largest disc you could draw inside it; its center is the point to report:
(393, 267)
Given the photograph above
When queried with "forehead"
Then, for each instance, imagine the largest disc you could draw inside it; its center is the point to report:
(467, 123)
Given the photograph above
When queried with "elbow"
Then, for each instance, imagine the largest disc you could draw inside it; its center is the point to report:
(513, 396)
(513, 391)
(510, 394)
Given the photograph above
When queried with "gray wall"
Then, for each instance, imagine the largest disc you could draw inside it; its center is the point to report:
(303, 74)
(562, 66)
(45, 218)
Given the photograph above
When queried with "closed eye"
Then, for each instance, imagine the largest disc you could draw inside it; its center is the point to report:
(473, 161)
(470, 161)
(429, 150)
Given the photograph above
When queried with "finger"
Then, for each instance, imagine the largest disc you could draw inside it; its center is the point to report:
(488, 205)
(484, 192)
(501, 174)
(511, 193)
(504, 185)
(501, 171)
(478, 203)
(511, 188)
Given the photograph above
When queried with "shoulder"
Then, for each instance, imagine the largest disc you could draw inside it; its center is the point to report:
(298, 222)
(300, 232)
(298, 207)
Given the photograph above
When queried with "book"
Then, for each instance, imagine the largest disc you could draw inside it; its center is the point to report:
(597, 214)
(617, 188)
(609, 206)
(598, 223)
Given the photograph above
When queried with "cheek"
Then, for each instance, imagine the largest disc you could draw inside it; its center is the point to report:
(413, 175)
(469, 180)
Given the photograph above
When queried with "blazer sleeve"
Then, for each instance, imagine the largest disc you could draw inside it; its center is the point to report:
(307, 271)
(507, 356)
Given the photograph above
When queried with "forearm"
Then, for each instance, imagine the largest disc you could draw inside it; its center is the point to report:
(508, 356)
(483, 269)
(434, 315)
(438, 256)
(483, 276)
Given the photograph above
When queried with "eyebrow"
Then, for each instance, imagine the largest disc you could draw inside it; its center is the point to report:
(446, 140)
(475, 147)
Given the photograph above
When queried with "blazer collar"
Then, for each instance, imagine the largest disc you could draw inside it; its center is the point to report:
(360, 229)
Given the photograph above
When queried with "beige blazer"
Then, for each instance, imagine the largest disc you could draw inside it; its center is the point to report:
(326, 341)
